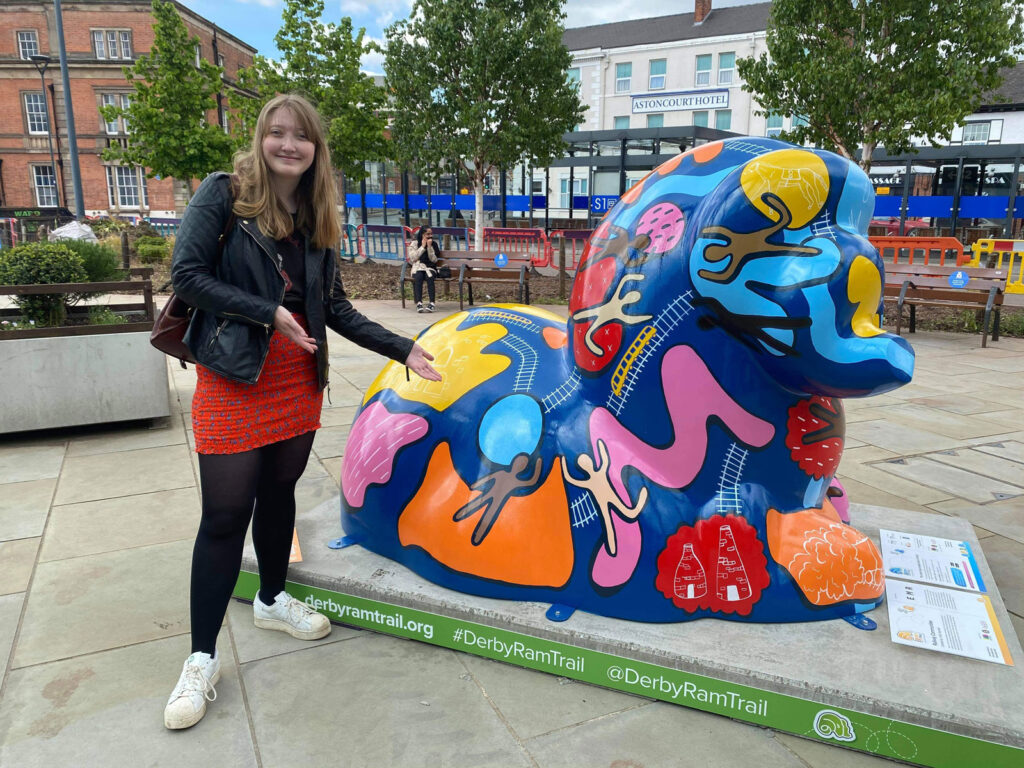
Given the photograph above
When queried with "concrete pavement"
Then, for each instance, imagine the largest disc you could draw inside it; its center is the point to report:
(96, 530)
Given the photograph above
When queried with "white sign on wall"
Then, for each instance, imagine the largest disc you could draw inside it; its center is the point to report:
(680, 100)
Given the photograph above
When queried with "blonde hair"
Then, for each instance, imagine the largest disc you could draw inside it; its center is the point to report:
(315, 195)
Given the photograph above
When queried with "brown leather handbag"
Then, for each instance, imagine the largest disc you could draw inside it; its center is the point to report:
(168, 334)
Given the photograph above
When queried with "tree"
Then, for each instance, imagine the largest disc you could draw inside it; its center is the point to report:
(879, 72)
(166, 117)
(321, 62)
(479, 82)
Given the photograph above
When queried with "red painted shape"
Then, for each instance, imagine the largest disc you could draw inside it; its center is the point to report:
(608, 338)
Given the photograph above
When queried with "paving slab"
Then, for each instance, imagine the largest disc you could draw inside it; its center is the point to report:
(952, 480)
(125, 522)
(982, 463)
(23, 508)
(870, 474)
(167, 431)
(390, 702)
(899, 438)
(10, 612)
(106, 709)
(1008, 449)
(330, 441)
(910, 686)
(22, 462)
(1005, 518)
(16, 561)
(1006, 559)
(816, 755)
(253, 644)
(108, 475)
(945, 423)
(105, 601)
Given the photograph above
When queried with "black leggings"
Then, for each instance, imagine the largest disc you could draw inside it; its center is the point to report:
(257, 485)
(417, 286)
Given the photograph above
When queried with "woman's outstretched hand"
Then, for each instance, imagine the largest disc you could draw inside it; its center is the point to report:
(419, 360)
(289, 326)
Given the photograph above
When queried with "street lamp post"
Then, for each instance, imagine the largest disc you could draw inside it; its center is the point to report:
(42, 61)
(69, 115)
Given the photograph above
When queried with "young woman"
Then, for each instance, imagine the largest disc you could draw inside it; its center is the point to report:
(424, 256)
(266, 287)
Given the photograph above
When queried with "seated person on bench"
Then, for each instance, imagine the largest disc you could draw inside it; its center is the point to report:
(423, 256)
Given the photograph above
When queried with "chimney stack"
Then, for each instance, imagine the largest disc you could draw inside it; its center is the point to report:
(701, 9)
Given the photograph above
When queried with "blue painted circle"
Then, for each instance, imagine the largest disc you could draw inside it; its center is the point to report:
(959, 279)
(501, 260)
(511, 426)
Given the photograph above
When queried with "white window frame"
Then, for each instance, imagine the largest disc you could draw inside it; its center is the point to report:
(122, 100)
(39, 190)
(773, 130)
(224, 123)
(656, 82)
(126, 187)
(199, 54)
(727, 75)
(702, 77)
(579, 187)
(977, 124)
(111, 43)
(623, 84)
(41, 117)
(28, 43)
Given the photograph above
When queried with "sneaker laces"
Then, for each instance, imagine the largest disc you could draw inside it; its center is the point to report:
(298, 610)
(194, 680)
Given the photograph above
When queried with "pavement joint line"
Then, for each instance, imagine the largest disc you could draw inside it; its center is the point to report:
(126, 495)
(244, 694)
(8, 666)
(96, 652)
(798, 758)
(641, 703)
(72, 558)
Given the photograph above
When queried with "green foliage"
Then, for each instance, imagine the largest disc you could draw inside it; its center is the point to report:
(104, 316)
(152, 250)
(482, 82)
(41, 263)
(101, 263)
(881, 72)
(166, 117)
(321, 62)
(108, 226)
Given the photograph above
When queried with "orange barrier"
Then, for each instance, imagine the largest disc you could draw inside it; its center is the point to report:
(529, 245)
(944, 245)
(1010, 251)
(575, 243)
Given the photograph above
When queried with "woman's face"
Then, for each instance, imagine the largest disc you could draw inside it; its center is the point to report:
(287, 151)
(428, 235)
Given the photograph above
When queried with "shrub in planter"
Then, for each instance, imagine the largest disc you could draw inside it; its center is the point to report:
(151, 250)
(44, 263)
(102, 264)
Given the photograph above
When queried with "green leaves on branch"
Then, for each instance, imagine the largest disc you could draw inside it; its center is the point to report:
(321, 62)
(167, 116)
(881, 72)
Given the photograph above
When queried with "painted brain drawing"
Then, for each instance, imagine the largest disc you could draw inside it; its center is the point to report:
(666, 453)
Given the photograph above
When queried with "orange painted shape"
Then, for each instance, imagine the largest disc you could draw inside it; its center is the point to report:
(634, 192)
(705, 153)
(529, 544)
(830, 562)
(554, 337)
(666, 168)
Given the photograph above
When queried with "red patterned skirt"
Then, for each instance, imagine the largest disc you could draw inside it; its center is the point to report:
(231, 417)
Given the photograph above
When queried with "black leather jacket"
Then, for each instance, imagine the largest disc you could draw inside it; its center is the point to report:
(236, 297)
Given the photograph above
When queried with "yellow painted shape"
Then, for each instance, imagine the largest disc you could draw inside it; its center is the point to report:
(530, 543)
(458, 357)
(865, 290)
(797, 177)
(526, 309)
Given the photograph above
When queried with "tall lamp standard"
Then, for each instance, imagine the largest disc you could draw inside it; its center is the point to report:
(42, 61)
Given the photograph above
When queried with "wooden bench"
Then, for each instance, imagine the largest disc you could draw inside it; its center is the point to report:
(469, 267)
(928, 286)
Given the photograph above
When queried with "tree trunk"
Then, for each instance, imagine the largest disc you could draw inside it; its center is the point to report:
(478, 192)
(865, 158)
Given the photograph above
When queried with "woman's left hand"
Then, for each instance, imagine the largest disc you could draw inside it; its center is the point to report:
(419, 360)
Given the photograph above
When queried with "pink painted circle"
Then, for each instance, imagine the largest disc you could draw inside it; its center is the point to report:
(664, 224)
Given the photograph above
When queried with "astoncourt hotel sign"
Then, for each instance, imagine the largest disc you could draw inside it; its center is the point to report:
(680, 100)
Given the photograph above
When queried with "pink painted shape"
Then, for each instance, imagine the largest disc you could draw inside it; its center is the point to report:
(376, 438)
(664, 224)
(693, 396)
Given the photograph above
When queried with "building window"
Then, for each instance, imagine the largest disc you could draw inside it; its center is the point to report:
(45, 184)
(28, 44)
(199, 54)
(703, 70)
(572, 75)
(723, 119)
(656, 80)
(798, 120)
(773, 124)
(35, 114)
(623, 73)
(112, 43)
(579, 187)
(655, 121)
(620, 123)
(726, 68)
(126, 187)
(700, 119)
(224, 119)
(976, 133)
(122, 100)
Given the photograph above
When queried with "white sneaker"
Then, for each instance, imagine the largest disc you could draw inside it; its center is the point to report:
(420, 307)
(187, 703)
(430, 307)
(292, 616)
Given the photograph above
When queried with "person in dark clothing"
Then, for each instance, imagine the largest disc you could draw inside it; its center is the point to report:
(424, 257)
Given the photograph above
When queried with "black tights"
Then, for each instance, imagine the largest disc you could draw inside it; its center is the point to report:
(257, 485)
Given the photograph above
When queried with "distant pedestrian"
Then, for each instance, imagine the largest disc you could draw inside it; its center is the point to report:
(424, 257)
(264, 300)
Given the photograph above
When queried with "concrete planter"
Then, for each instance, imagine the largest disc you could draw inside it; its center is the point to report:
(89, 378)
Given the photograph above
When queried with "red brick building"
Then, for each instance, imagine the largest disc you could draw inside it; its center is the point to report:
(101, 37)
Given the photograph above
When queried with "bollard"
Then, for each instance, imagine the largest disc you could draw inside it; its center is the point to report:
(125, 253)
